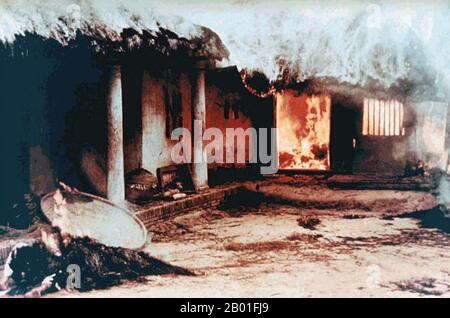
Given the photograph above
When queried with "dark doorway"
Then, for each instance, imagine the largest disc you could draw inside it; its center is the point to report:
(343, 138)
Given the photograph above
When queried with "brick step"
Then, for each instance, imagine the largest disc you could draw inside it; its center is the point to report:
(208, 198)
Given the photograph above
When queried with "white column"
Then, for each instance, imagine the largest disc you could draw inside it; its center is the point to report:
(115, 174)
(147, 116)
(199, 166)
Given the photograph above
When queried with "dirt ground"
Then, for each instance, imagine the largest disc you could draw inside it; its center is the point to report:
(277, 250)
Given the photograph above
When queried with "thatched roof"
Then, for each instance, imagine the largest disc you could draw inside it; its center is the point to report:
(402, 47)
(113, 25)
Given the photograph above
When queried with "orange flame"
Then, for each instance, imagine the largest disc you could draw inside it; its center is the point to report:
(303, 124)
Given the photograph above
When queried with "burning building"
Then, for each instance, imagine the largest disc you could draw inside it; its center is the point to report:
(93, 93)
(90, 102)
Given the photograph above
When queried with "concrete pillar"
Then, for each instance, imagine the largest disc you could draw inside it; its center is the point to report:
(115, 174)
(199, 166)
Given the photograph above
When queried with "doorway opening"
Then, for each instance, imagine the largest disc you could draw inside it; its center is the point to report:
(303, 123)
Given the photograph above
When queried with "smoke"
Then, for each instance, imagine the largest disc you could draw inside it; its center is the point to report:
(444, 196)
(357, 43)
(352, 42)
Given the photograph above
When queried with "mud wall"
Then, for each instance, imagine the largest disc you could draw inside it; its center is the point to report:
(152, 148)
(222, 113)
(367, 153)
(156, 142)
(382, 154)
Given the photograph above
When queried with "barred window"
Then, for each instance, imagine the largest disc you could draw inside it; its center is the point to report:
(383, 117)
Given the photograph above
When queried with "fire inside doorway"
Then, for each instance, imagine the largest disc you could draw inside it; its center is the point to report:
(303, 124)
